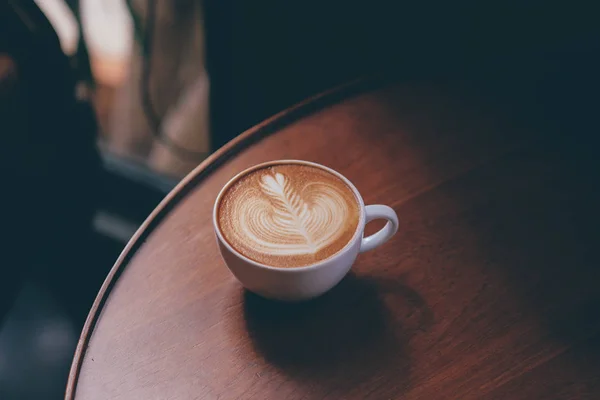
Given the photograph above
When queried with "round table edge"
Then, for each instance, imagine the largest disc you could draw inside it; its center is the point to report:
(189, 182)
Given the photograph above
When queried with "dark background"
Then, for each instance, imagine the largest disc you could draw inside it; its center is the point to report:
(266, 55)
(262, 57)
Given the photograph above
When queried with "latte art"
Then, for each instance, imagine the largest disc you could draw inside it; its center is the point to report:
(289, 215)
(281, 221)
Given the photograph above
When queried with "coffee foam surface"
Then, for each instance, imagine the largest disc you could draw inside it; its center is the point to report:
(288, 215)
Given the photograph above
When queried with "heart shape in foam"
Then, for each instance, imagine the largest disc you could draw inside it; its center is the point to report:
(279, 218)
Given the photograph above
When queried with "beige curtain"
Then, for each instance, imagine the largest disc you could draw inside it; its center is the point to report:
(178, 88)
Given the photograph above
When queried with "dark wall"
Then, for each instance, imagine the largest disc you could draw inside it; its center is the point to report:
(266, 55)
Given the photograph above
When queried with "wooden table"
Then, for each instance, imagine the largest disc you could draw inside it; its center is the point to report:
(489, 290)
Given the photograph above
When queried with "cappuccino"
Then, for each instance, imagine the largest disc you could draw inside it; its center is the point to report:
(288, 215)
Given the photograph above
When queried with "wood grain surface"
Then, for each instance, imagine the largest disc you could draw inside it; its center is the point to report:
(489, 290)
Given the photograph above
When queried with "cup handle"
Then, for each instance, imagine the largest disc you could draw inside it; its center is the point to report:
(378, 211)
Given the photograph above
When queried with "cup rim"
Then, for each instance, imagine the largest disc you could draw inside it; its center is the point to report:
(337, 255)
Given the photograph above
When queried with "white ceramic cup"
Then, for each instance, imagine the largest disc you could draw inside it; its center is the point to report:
(306, 282)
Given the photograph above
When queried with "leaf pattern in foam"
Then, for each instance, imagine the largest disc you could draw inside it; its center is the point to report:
(289, 205)
(282, 219)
